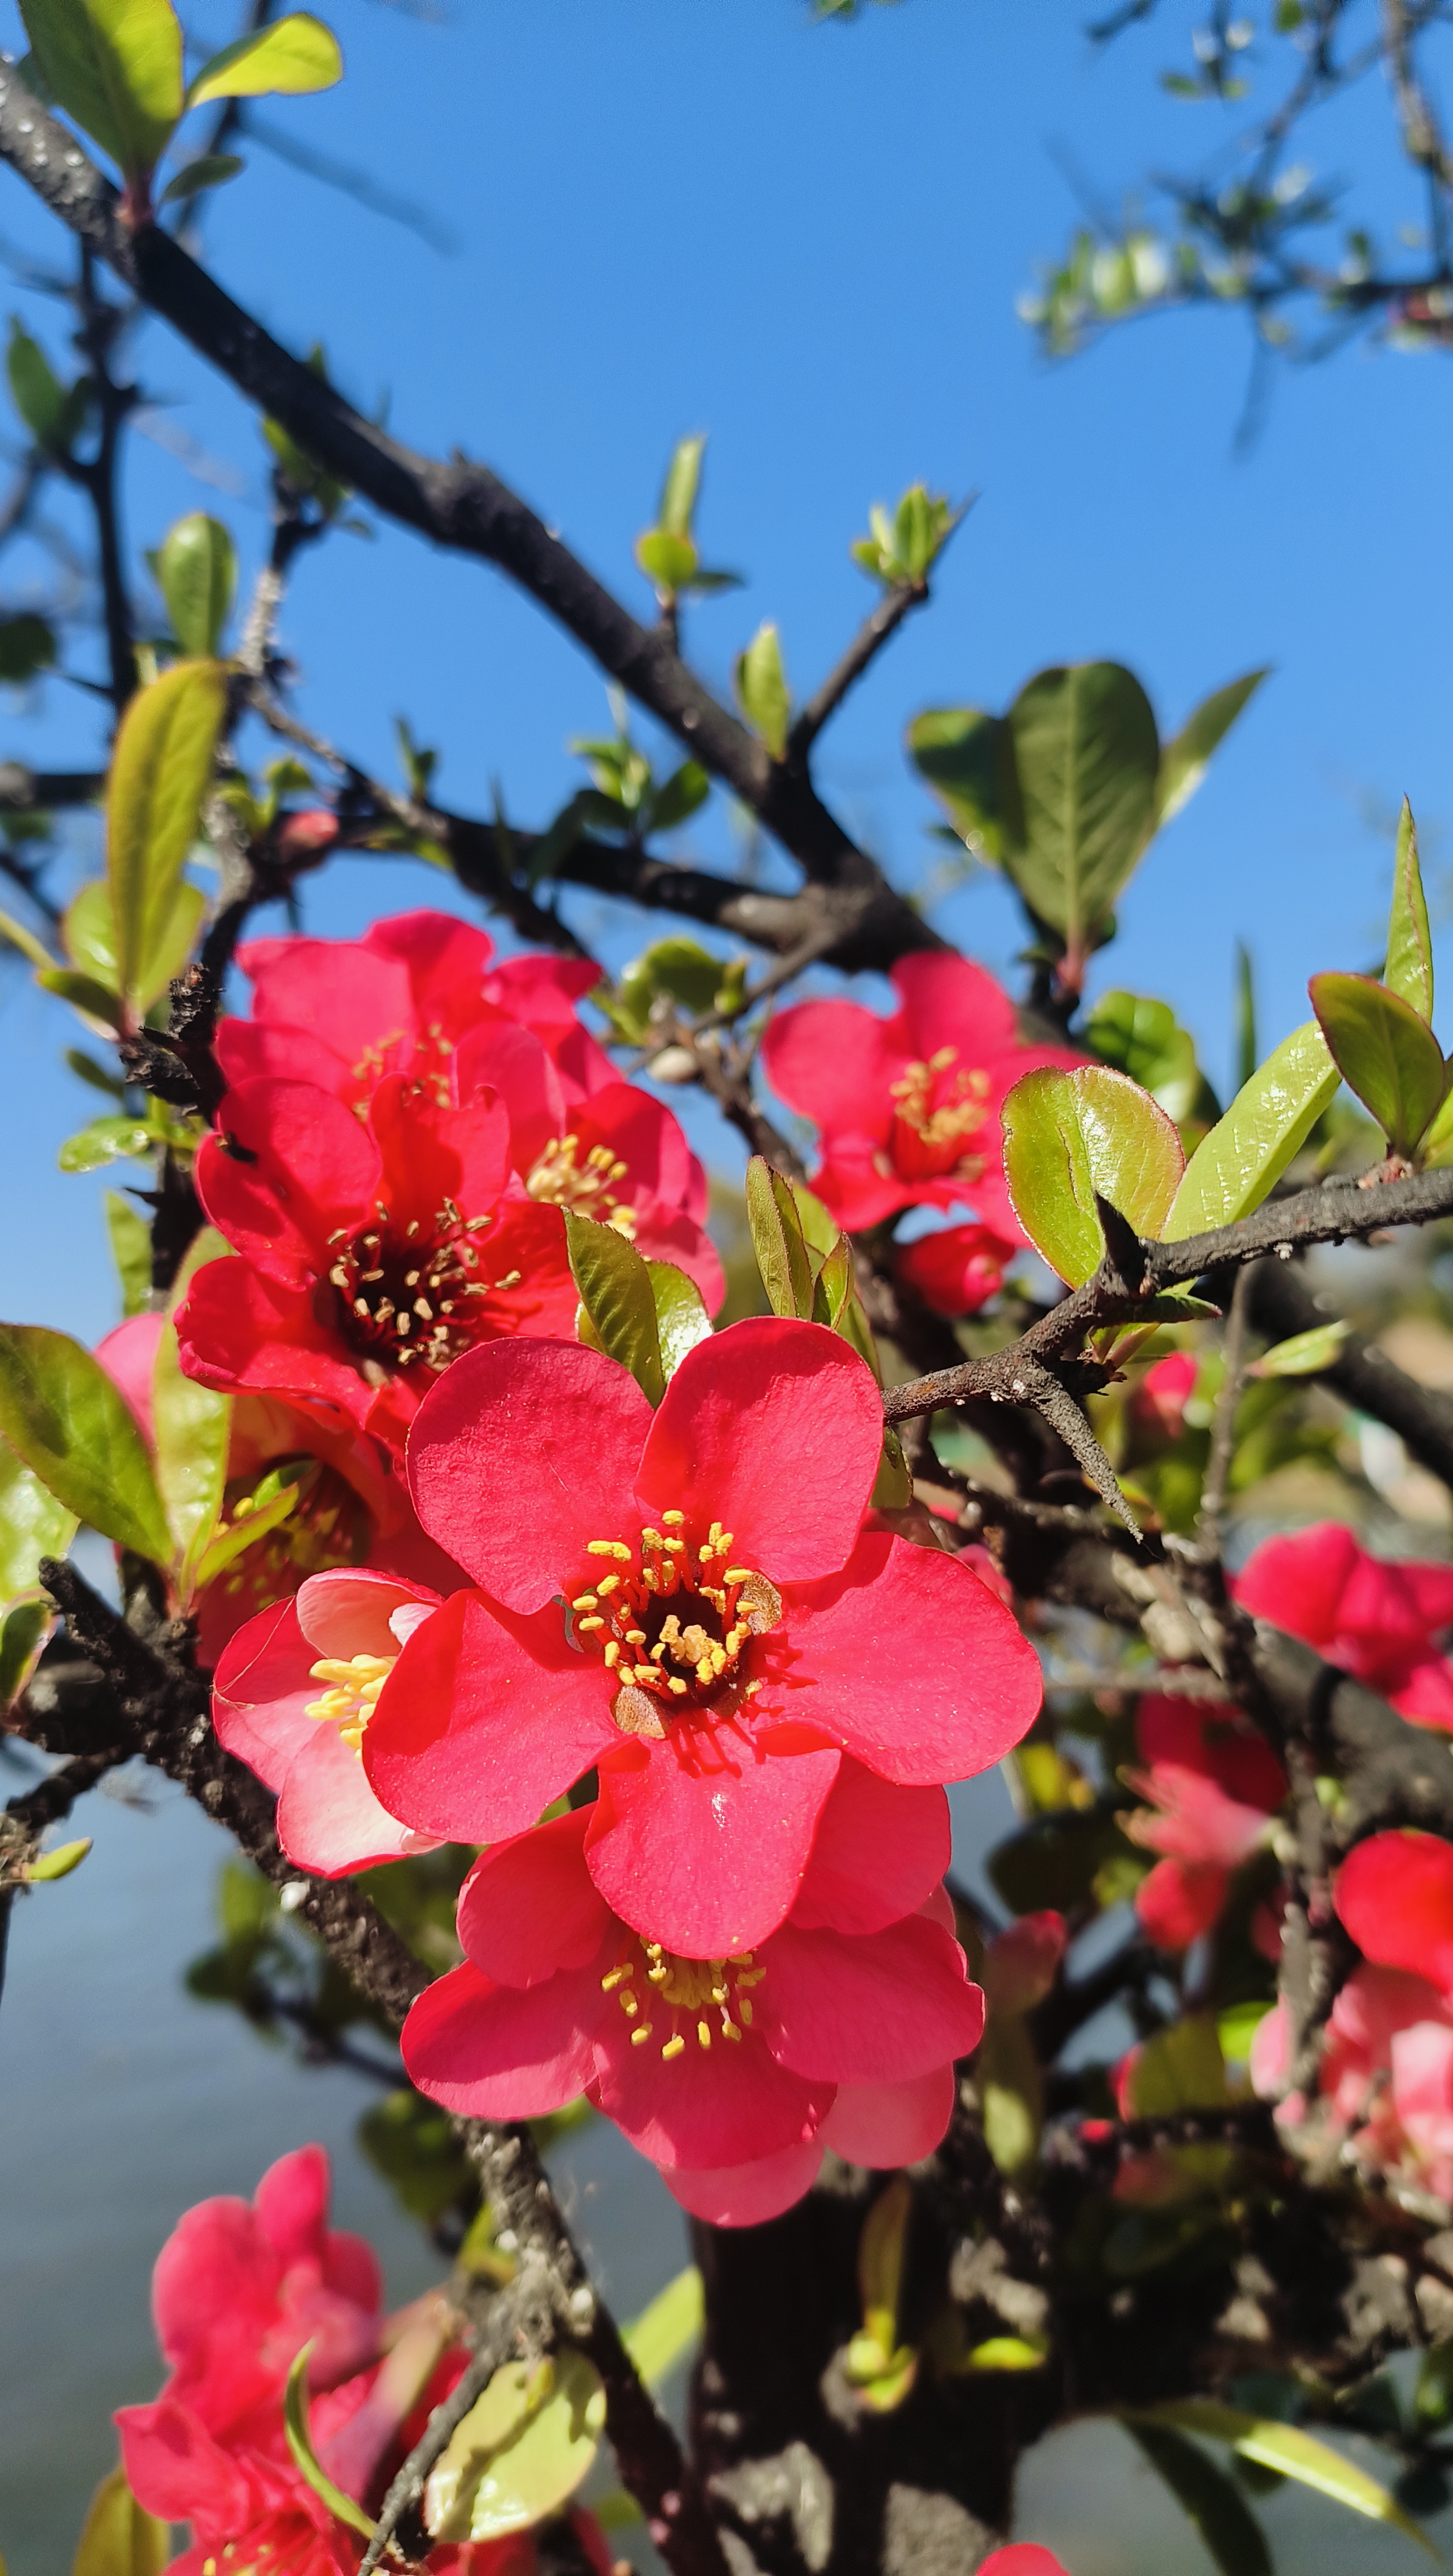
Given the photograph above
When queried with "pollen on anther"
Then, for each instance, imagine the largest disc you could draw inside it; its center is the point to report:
(616, 1977)
(674, 1520)
(608, 1547)
(674, 2047)
(729, 2030)
(585, 1601)
(584, 1626)
(745, 2009)
(612, 1652)
(638, 2035)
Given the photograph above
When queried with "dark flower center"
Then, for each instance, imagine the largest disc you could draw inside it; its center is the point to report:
(416, 1298)
(936, 1109)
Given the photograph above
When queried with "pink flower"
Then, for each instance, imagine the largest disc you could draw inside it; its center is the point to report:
(1022, 2558)
(293, 1696)
(615, 1154)
(908, 1109)
(352, 1510)
(1165, 1391)
(372, 1253)
(734, 1634)
(731, 2072)
(1213, 1784)
(958, 1271)
(342, 1013)
(1375, 1617)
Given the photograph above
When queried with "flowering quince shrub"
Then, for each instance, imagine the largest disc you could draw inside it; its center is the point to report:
(596, 1601)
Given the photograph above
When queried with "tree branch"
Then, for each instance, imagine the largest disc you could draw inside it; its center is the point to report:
(867, 644)
(1361, 1374)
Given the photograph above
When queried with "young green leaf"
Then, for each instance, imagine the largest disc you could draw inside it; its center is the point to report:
(193, 1428)
(1087, 756)
(1143, 1038)
(1293, 2454)
(130, 1250)
(1184, 761)
(520, 2452)
(1387, 1054)
(24, 1628)
(682, 484)
(25, 940)
(1069, 1137)
(681, 1317)
(106, 1140)
(1248, 1150)
(286, 59)
(196, 571)
(761, 685)
(258, 1518)
(69, 1424)
(160, 772)
(967, 758)
(666, 560)
(33, 1524)
(1409, 970)
(617, 1293)
(209, 170)
(665, 2331)
(778, 1240)
(116, 67)
(88, 933)
(305, 2457)
(1304, 1354)
(118, 2537)
(1179, 2069)
(1246, 1047)
(35, 389)
(681, 794)
(1209, 2499)
(59, 1863)
(101, 1008)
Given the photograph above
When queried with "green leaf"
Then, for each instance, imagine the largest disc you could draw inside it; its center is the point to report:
(193, 1426)
(88, 932)
(520, 2452)
(1179, 2069)
(666, 560)
(24, 1628)
(665, 2331)
(1304, 1354)
(61, 1413)
(682, 793)
(196, 572)
(130, 1237)
(1246, 1047)
(1069, 1136)
(116, 67)
(1248, 1150)
(33, 1524)
(106, 1140)
(1387, 1054)
(264, 1513)
(761, 685)
(59, 1863)
(1143, 1038)
(618, 1296)
(967, 758)
(305, 2458)
(119, 2538)
(35, 389)
(1409, 970)
(160, 773)
(94, 1002)
(778, 1240)
(25, 940)
(94, 1075)
(27, 645)
(681, 1317)
(682, 484)
(209, 170)
(1293, 2454)
(286, 59)
(1087, 756)
(1209, 2499)
(1184, 761)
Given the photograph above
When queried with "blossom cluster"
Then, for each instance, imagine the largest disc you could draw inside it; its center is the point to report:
(690, 1699)
(240, 2289)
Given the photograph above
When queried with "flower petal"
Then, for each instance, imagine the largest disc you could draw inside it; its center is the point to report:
(237, 1329)
(946, 1000)
(877, 1852)
(530, 1907)
(483, 1721)
(700, 1841)
(730, 2101)
(745, 2195)
(886, 2125)
(1298, 1583)
(1394, 1893)
(833, 1061)
(500, 2052)
(774, 1428)
(309, 1169)
(328, 1819)
(909, 1661)
(350, 1610)
(520, 1455)
(875, 2010)
(261, 1690)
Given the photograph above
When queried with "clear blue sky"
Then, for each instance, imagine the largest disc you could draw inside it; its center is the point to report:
(679, 214)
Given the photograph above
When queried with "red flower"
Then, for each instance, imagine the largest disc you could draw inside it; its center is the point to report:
(958, 1271)
(1022, 2558)
(1166, 1389)
(373, 1252)
(1375, 1617)
(757, 2058)
(293, 1696)
(342, 1013)
(734, 1631)
(908, 1108)
(1394, 1893)
(1213, 1784)
(616, 1155)
(352, 1510)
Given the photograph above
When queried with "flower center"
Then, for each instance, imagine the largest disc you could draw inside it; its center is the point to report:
(934, 1114)
(416, 1298)
(672, 1622)
(399, 1053)
(352, 1697)
(688, 1997)
(587, 1188)
(327, 1527)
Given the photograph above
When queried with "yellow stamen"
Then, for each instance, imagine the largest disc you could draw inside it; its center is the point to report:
(674, 2047)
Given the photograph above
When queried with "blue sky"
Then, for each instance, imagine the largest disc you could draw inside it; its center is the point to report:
(682, 214)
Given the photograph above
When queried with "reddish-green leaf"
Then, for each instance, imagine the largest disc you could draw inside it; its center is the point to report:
(1385, 1052)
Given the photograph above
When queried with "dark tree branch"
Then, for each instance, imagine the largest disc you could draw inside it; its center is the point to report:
(1362, 1374)
(883, 622)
